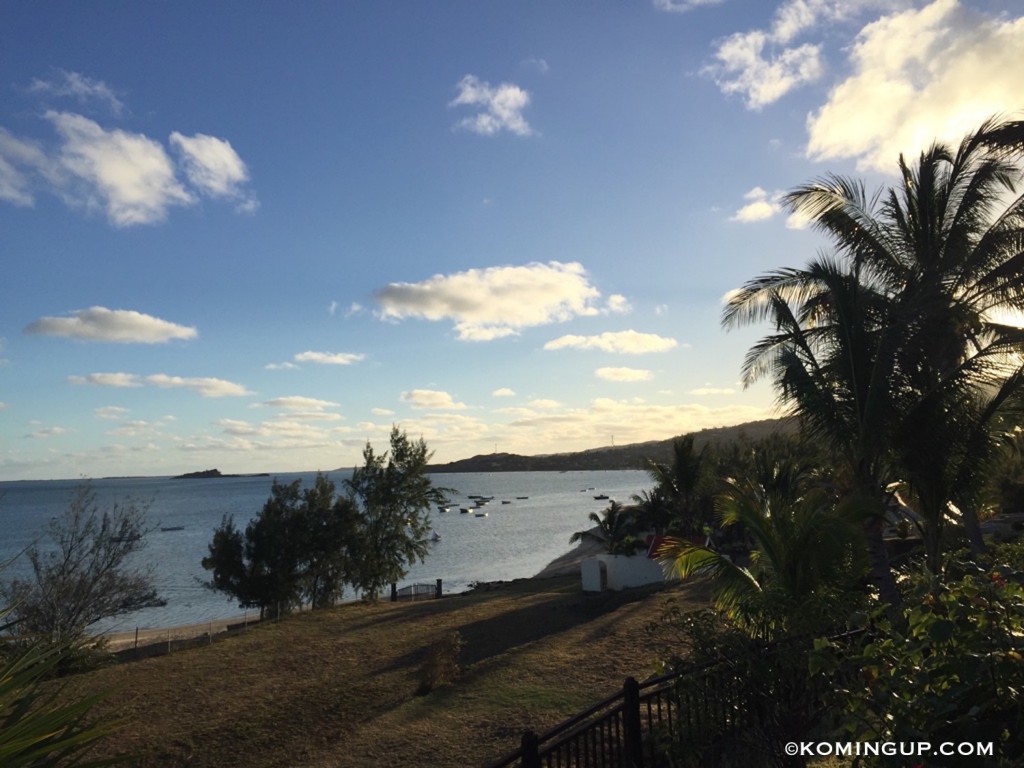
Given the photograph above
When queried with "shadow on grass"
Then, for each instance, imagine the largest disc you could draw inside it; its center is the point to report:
(547, 614)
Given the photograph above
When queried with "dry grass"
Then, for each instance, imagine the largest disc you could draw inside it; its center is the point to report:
(338, 688)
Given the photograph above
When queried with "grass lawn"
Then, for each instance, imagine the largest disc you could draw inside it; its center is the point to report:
(338, 688)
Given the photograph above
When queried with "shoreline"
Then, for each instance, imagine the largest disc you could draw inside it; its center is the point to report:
(563, 565)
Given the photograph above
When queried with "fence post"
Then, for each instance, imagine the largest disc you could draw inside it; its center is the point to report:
(529, 751)
(631, 723)
(437, 592)
(394, 592)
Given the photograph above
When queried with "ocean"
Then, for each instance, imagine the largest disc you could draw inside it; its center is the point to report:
(515, 540)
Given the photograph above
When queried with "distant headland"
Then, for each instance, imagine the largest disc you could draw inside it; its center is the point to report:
(633, 456)
(213, 473)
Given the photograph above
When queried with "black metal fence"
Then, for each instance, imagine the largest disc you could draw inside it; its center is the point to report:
(731, 712)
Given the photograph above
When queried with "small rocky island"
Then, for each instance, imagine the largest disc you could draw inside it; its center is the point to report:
(213, 473)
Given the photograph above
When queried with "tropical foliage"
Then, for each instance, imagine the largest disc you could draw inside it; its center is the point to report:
(681, 501)
(951, 669)
(800, 547)
(899, 350)
(890, 348)
(616, 528)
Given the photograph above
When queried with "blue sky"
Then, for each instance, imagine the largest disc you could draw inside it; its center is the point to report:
(254, 236)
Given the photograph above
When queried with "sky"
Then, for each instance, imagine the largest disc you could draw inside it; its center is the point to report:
(256, 235)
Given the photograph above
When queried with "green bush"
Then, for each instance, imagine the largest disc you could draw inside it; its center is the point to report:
(950, 669)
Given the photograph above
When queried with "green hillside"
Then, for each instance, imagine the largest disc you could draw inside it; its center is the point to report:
(633, 456)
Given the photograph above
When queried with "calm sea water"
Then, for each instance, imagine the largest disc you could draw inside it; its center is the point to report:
(514, 540)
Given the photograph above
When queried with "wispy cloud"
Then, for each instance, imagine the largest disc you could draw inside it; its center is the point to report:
(619, 342)
(491, 303)
(682, 6)
(763, 65)
(45, 432)
(299, 403)
(110, 412)
(117, 380)
(330, 358)
(706, 391)
(503, 392)
(204, 386)
(214, 168)
(80, 88)
(501, 107)
(112, 325)
(624, 374)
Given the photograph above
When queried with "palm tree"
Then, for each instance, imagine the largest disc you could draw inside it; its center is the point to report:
(801, 548)
(890, 347)
(678, 487)
(831, 359)
(615, 528)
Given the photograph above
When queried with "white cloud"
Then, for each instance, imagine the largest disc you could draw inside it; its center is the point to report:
(502, 107)
(628, 420)
(495, 302)
(704, 391)
(79, 87)
(127, 174)
(623, 374)
(329, 358)
(110, 412)
(538, 64)
(205, 386)
(744, 68)
(503, 392)
(211, 165)
(430, 399)
(618, 305)
(286, 366)
(544, 404)
(382, 412)
(619, 342)
(299, 403)
(20, 162)
(119, 380)
(130, 177)
(761, 206)
(45, 432)
(114, 325)
(927, 74)
(763, 65)
(682, 6)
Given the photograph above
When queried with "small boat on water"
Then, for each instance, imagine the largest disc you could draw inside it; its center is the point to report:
(520, 498)
(481, 514)
(601, 497)
(436, 536)
(172, 528)
(465, 510)
(505, 502)
(443, 509)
